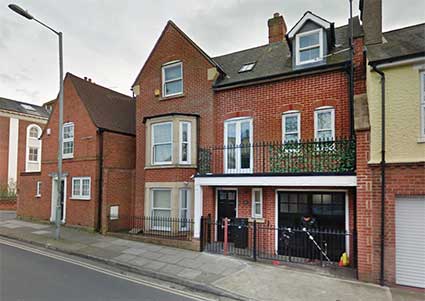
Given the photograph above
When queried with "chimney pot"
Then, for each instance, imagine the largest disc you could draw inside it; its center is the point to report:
(89, 80)
(85, 78)
(277, 28)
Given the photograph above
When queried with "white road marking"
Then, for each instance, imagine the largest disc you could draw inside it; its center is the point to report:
(105, 271)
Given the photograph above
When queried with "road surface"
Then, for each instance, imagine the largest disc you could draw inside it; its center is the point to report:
(27, 273)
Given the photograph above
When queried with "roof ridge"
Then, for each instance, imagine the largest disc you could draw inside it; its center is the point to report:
(100, 86)
(403, 28)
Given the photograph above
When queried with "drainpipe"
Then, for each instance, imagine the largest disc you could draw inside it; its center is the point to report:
(381, 73)
(351, 88)
(99, 212)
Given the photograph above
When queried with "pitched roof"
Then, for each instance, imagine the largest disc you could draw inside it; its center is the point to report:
(23, 108)
(399, 43)
(185, 36)
(275, 59)
(108, 109)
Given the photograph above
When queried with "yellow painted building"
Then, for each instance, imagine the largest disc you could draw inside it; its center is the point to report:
(404, 93)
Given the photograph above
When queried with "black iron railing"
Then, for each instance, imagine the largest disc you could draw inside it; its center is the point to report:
(155, 226)
(304, 157)
(265, 241)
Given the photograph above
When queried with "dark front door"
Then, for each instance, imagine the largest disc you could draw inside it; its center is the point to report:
(226, 207)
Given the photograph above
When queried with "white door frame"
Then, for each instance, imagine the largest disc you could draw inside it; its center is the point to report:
(237, 121)
(54, 199)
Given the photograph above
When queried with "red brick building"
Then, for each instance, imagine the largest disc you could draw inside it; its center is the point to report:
(21, 125)
(262, 134)
(99, 159)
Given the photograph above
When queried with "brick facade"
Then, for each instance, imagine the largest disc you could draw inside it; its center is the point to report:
(197, 99)
(118, 160)
(402, 179)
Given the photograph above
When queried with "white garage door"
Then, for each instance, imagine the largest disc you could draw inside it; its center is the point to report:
(410, 241)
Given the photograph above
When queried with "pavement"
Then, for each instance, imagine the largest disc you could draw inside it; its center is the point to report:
(228, 277)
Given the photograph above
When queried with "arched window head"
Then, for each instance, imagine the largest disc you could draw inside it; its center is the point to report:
(33, 132)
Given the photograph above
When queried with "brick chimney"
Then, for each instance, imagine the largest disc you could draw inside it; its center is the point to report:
(277, 28)
(371, 15)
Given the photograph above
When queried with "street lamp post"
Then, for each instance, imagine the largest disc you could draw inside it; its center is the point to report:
(25, 14)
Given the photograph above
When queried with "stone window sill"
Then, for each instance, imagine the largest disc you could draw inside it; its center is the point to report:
(171, 97)
(170, 166)
(257, 219)
(421, 140)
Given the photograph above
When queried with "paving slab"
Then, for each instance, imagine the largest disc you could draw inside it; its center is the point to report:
(134, 251)
(125, 257)
(189, 273)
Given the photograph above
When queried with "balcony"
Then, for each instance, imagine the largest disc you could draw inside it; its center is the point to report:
(309, 157)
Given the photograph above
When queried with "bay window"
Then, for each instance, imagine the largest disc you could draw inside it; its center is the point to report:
(185, 135)
(162, 143)
(161, 209)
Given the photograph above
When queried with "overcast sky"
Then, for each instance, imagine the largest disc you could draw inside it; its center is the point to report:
(110, 40)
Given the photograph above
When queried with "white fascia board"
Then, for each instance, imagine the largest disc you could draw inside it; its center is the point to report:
(305, 18)
(296, 181)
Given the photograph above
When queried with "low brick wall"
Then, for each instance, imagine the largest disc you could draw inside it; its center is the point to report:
(7, 204)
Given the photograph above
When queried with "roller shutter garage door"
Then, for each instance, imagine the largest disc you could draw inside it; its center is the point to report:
(410, 241)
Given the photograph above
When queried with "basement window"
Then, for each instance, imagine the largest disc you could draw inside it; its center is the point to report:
(247, 67)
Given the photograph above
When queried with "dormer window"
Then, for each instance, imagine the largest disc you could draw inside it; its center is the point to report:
(247, 67)
(309, 47)
(172, 79)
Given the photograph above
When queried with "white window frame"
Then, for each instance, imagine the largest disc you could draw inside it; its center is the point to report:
(254, 202)
(298, 49)
(422, 105)
(153, 143)
(32, 142)
(38, 189)
(68, 155)
(188, 142)
(164, 82)
(164, 228)
(183, 225)
(291, 114)
(324, 110)
(81, 196)
(238, 168)
(112, 215)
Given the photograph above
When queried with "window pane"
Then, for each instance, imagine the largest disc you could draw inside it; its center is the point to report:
(68, 147)
(324, 120)
(309, 40)
(68, 131)
(184, 132)
(324, 135)
(309, 54)
(184, 214)
(174, 87)
(76, 187)
(245, 132)
(173, 72)
(231, 134)
(162, 199)
(34, 132)
(183, 196)
(162, 133)
(33, 154)
(257, 195)
(291, 137)
(86, 187)
(162, 152)
(257, 208)
(184, 152)
(245, 140)
(291, 123)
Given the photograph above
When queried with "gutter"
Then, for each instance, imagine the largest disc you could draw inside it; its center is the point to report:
(100, 199)
(382, 163)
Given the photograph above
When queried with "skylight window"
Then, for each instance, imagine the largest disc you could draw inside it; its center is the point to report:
(247, 67)
(27, 107)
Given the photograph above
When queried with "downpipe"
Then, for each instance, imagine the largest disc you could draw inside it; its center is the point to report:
(382, 165)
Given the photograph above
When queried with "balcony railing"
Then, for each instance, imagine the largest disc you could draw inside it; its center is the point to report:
(304, 157)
